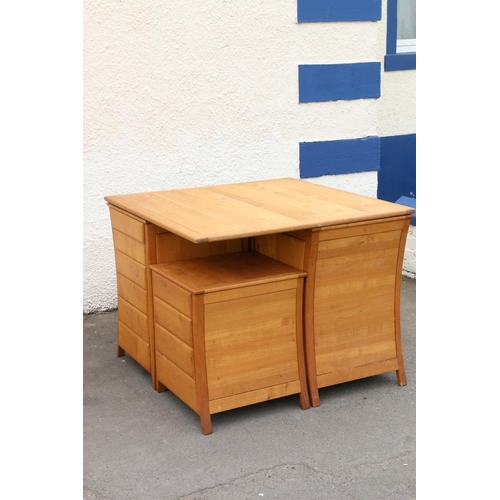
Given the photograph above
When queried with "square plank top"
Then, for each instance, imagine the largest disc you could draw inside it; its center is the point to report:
(228, 211)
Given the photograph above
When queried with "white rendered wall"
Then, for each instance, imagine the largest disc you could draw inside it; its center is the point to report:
(397, 103)
(410, 257)
(182, 94)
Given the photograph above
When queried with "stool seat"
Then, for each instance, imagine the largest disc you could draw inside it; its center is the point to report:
(223, 272)
(228, 331)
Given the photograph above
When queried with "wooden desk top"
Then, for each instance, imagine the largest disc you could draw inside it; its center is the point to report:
(228, 211)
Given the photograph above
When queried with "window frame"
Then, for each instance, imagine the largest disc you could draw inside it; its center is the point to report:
(394, 60)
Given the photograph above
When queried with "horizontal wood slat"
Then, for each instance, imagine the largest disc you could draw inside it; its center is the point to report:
(132, 293)
(177, 381)
(252, 397)
(179, 353)
(131, 269)
(134, 345)
(357, 247)
(133, 319)
(128, 225)
(359, 229)
(174, 321)
(249, 291)
(172, 294)
(358, 372)
(337, 355)
(129, 246)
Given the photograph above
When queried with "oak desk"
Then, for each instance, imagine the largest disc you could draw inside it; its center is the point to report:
(350, 246)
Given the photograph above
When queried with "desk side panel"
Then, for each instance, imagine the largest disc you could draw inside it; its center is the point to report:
(250, 343)
(354, 301)
(132, 258)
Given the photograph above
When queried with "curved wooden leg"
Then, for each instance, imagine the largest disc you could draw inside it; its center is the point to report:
(301, 363)
(310, 354)
(304, 400)
(401, 374)
(206, 423)
(160, 387)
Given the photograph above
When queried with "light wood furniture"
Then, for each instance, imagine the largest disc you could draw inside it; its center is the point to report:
(350, 246)
(138, 244)
(228, 332)
(352, 308)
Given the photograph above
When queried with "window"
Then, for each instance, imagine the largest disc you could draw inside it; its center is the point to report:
(401, 50)
(406, 39)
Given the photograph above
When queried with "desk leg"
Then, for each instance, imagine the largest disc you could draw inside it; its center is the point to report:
(304, 394)
(200, 364)
(400, 372)
(160, 387)
(310, 258)
(119, 351)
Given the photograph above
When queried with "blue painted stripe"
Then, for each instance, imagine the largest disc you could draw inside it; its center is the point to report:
(398, 167)
(314, 11)
(398, 62)
(409, 202)
(339, 157)
(334, 82)
(392, 26)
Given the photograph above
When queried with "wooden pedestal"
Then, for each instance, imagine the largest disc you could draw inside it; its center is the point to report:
(137, 245)
(352, 297)
(228, 332)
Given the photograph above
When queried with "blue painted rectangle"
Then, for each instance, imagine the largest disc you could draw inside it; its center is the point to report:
(335, 82)
(409, 202)
(339, 157)
(398, 162)
(399, 62)
(392, 26)
(314, 11)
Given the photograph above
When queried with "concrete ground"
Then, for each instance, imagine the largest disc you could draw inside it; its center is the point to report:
(142, 445)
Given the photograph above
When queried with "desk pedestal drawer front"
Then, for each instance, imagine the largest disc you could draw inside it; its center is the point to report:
(355, 309)
(240, 341)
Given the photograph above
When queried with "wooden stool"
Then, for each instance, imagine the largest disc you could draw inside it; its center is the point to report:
(228, 332)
